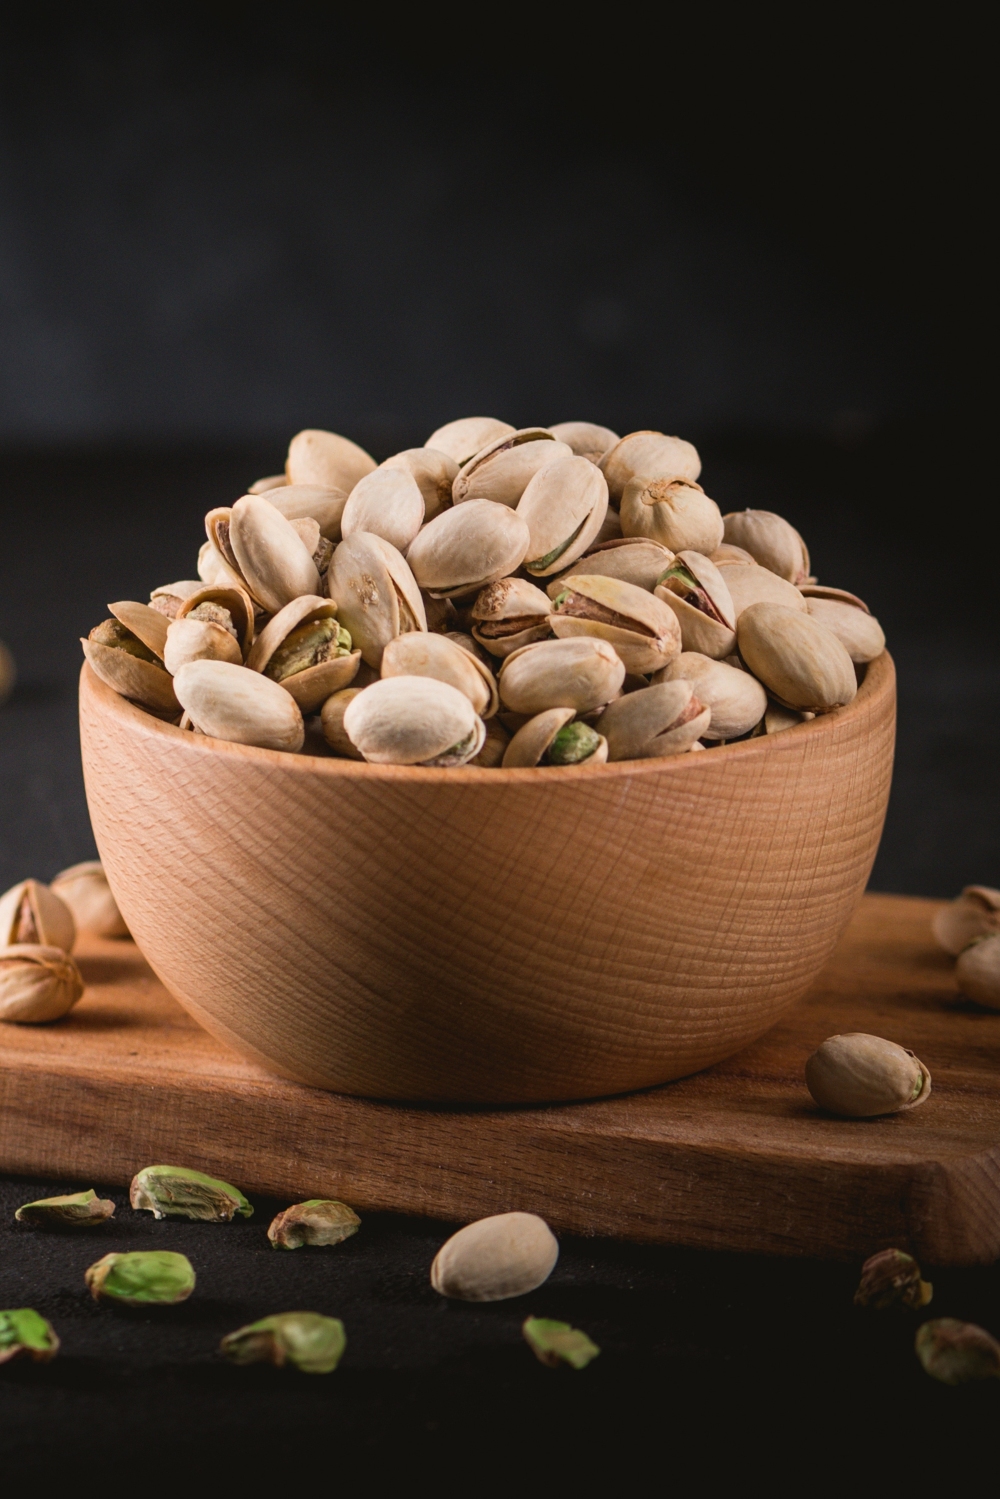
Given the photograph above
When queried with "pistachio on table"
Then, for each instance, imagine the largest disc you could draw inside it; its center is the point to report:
(317, 1221)
(37, 983)
(309, 1341)
(554, 1343)
(978, 971)
(183, 1193)
(495, 1258)
(973, 914)
(85, 890)
(141, 1278)
(861, 1076)
(892, 1279)
(69, 1211)
(31, 912)
(955, 1352)
(25, 1331)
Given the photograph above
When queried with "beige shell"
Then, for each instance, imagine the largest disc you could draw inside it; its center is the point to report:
(674, 512)
(533, 739)
(332, 723)
(798, 660)
(611, 528)
(411, 721)
(236, 601)
(978, 971)
(271, 556)
(494, 747)
(199, 640)
(504, 1256)
(375, 592)
(213, 568)
(386, 503)
(771, 540)
(234, 703)
(326, 459)
(144, 682)
(424, 655)
(145, 622)
(582, 674)
(32, 913)
(860, 1076)
(84, 889)
(587, 439)
(501, 471)
(169, 597)
(434, 472)
(38, 982)
(643, 630)
(737, 700)
(563, 507)
(856, 628)
(653, 454)
(298, 502)
(463, 439)
(709, 634)
(778, 718)
(754, 585)
(467, 547)
(311, 687)
(509, 614)
(725, 552)
(632, 559)
(665, 719)
(973, 914)
(268, 482)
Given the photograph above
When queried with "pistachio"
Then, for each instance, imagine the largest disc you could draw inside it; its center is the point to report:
(37, 983)
(271, 555)
(332, 722)
(31, 912)
(169, 597)
(307, 1340)
(975, 913)
(8, 673)
(554, 1343)
(317, 1221)
(386, 503)
(494, 747)
(501, 470)
(696, 591)
(771, 541)
(633, 559)
(435, 473)
(509, 614)
(798, 660)
(666, 719)
(642, 628)
(892, 1279)
(552, 738)
(25, 1331)
(84, 889)
(195, 638)
(141, 1278)
(424, 655)
(581, 674)
(70, 1211)
(749, 584)
(587, 439)
(213, 567)
(327, 459)
(859, 1076)
(978, 971)
(125, 663)
(725, 552)
(778, 718)
(849, 620)
(651, 453)
(299, 502)
(269, 482)
(463, 439)
(955, 1352)
(411, 721)
(375, 592)
(496, 1258)
(183, 1193)
(233, 703)
(231, 609)
(673, 511)
(306, 649)
(563, 507)
(467, 547)
(737, 700)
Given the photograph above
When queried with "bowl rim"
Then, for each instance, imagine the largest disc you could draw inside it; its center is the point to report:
(878, 682)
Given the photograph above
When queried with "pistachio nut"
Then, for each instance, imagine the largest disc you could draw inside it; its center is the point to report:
(581, 674)
(563, 507)
(860, 1076)
(231, 609)
(798, 660)
(642, 628)
(554, 1343)
(737, 700)
(169, 597)
(420, 654)
(467, 547)
(725, 552)
(126, 664)
(268, 482)
(496, 1258)
(233, 703)
(978, 971)
(494, 746)
(749, 584)
(778, 718)
(301, 502)
(955, 1352)
(666, 719)
(84, 889)
(975, 913)
(196, 638)
(31, 912)
(849, 620)
(553, 738)
(771, 540)
(317, 1221)
(587, 439)
(271, 555)
(509, 614)
(649, 453)
(435, 473)
(633, 559)
(214, 568)
(464, 438)
(8, 673)
(25, 1331)
(332, 722)
(696, 591)
(307, 1340)
(375, 592)
(306, 649)
(70, 1211)
(326, 459)
(386, 503)
(501, 470)
(37, 983)
(414, 721)
(141, 1278)
(672, 511)
(892, 1279)
(183, 1193)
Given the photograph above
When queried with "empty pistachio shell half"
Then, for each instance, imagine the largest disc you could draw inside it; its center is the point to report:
(666, 719)
(31, 912)
(434, 472)
(892, 1279)
(674, 512)
(425, 655)
(798, 660)
(975, 913)
(233, 703)
(299, 502)
(213, 566)
(633, 559)
(860, 1076)
(554, 1343)
(309, 1341)
(737, 700)
(387, 503)
(183, 1193)
(467, 547)
(414, 721)
(696, 591)
(855, 627)
(305, 648)
(978, 971)
(771, 540)
(84, 889)
(492, 1259)
(463, 439)
(127, 665)
(70, 1211)
(494, 747)
(553, 738)
(582, 674)
(749, 584)
(332, 723)
(563, 507)
(271, 555)
(169, 597)
(650, 453)
(317, 1221)
(37, 983)
(642, 628)
(587, 439)
(24, 1331)
(508, 614)
(955, 1352)
(141, 1278)
(326, 459)
(502, 470)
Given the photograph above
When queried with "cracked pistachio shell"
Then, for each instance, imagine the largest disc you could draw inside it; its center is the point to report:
(672, 511)
(501, 471)
(634, 560)
(199, 640)
(467, 547)
(737, 700)
(326, 459)
(317, 1221)
(213, 567)
(975, 913)
(798, 660)
(25, 1331)
(705, 611)
(509, 614)
(771, 540)
(271, 555)
(69, 1211)
(386, 503)
(414, 721)
(463, 439)
(312, 685)
(268, 482)
(434, 472)
(860, 1076)
(554, 1343)
(955, 1352)
(169, 597)
(587, 439)
(494, 746)
(851, 622)
(237, 604)
(84, 889)
(37, 983)
(141, 1278)
(425, 655)
(503, 1256)
(642, 629)
(534, 739)
(749, 584)
(375, 592)
(563, 507)
(582, 674)
(313, 502)
(978, 971)
(233, 703)
(147, 624)
(892, 1279)
(124, 662)
(183, 1193)
(309, 1341)
(332, 723)
(665, 719)
(31, 912)
(653, 454)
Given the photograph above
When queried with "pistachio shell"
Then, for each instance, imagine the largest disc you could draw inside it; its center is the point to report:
(233, 703)
(587, 439)
(705, 613)
(146, 623)
(779, 718)
(467, 547)
(634, 560)
(501, 471)
(463, 439)
(581, 674)
(199, 640)
(268, 482)
(975, 913)
(414, 721)
(298, 502)
(750, 584)
(326, 459)
(663, 720)
(978, 971)
(611, 528)
(725, 552)
(563, 507)
(375, 592)
(434, 472)
(144, 682)
(494, 747)
(386, 503)
(84, 889)
(771, 540)
(495, 1258)
(535, 737)
(32, 913)
(235, 600)
(38, 982)
(859, 632)
(860, 1076)
(675, 512)
(332, 722)
(169, 597)
(509, 614)
(736, 699)
(799, 661)
(642, 629)
(313, 685)
(214, 570)
(420, 654)
(271, 555)
(651, 453)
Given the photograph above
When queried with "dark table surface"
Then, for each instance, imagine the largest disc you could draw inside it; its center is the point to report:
(719, 1374)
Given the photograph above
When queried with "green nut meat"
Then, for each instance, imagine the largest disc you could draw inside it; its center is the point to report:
(955, 1352)
(71, 1211)
(24, 1331)
(892, 1279)
(317, 1221)
(307, 1340)
(142, 1278)
(183, 1193)
(555, 1343)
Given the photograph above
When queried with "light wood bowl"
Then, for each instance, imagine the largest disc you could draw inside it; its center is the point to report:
(488, 936)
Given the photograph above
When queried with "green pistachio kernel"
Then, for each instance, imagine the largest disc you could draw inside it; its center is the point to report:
(141, 1277)
(539, 563)
(305, 1339)
(678, 573)
(955, 1352)
(113, 633)
(183, 1193)
(309, 645)
(317, 1221)
(892, 1279)
(71, 1211)
(24, 1331)
(573, 743)
(555, 1343)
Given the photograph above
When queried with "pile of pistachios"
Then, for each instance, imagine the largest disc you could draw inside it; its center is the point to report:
(39, 981)
(969, 929)
(500, 597)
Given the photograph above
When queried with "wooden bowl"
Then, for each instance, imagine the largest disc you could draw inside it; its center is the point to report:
(488, 936)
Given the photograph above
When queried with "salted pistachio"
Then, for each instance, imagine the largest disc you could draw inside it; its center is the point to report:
(554, 1343)
(503, 1256)
(375, 592)
(315, 502)
(736, 699)
(587, 439)
(666, 719)
(892, 1279)
(955, 1352)
(649, 453)
(306, 649)
(414, 721)
(232, 703)
(332, 723)
(464, 438)
(502, 469)
(326, 459)
(69, 1211)
(8, 673)
(25, 1331)
(494, 746)
(563, 506)
(771, 540)
(183, 1193)
(169, 597)
(581, 674)
(270, 553)
(860, 1076)
(973, 914)
(420, 654)
(633, 559)
(268, 482)
(386, 503)
(435, 473)
(37, 982)
(799, 661)
(778, 717)
(850, 620)
(317, 1221)
(555, 738)
(673, 511)
(508, 614)
(31, 912)
(85, 890)
(696, 591)
(309, 1341)
(199, 637)
(725, 552)
(749, 584)
(978, 971)
(643, 629)
(231, 609)
(467, 547)
(125, 663)
(141, 1278)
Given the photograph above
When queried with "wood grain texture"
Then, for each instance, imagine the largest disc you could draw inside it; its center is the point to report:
(736, 1158)
(488, 936)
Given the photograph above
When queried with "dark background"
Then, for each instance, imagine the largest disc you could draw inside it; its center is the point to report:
(221, 224)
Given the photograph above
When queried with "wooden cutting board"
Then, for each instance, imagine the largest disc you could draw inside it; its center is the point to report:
(736, 1158)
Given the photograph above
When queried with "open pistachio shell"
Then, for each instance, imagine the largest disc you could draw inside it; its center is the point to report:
(587, 439)
(725, 552)
(434, 472)
(798, 660)
(375, 592)
(771, 540)
(642, 629)
(213, 568)
(563, 507)
(535, 740)
(199, 640)
(509, 614)
(501, 471)
(309, 684)
(237, 604)
(695, 589)
(860, 1076)
(973, 914)
(411, 721)
(651, 453)
(386, 503)
(32, 913)
(326, 459)
(854, 626)
(750, 584)
(271, 555)
(332, 723)
(298, 502)
(421, 654)
(38, 982)
(233, 703)
(582, 674)
(85, 890)
(128, 666)
(635, 560)
(663, 720)
(169, 597)
(146, 623)
(494, 747)
(673, 511)
(737, 700)
(463, 439)
(467, 547)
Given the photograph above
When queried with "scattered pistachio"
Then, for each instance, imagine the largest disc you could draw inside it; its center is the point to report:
(141, 1278)
(955, 1352)
(84, 889)
(24, 1331)
(973, 914)
(317, 1221)
(859, 1076)
(31, 912)
(37, 983)
(495, 1258)
(70, 1211)
(308, 1340)
(978, 971)
(554, 1343)
(183, 1193)
(892, 1279)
